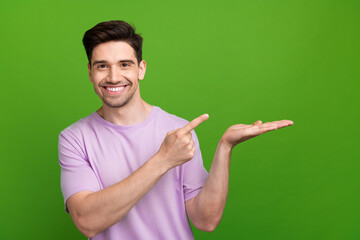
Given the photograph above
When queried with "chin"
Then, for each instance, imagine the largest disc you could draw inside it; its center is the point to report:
(113, 104)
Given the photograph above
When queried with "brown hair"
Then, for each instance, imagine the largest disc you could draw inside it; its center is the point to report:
(112, 31)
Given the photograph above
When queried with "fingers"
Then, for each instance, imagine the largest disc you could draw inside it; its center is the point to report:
(269, 126)
(194, 123)
(283, 123)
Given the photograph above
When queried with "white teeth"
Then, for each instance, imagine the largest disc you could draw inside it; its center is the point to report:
(115, 89)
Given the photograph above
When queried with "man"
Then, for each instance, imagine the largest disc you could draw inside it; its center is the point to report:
(132, 171)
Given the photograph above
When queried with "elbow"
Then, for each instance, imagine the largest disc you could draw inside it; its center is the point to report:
(89, 234)
(85, 219)
(209, 228)
(210, 225)
(84, 227)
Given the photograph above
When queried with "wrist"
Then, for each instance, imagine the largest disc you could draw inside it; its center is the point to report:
(225, 146)
(158, 163)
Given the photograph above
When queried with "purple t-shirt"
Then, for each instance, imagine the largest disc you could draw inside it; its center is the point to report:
(95, 154)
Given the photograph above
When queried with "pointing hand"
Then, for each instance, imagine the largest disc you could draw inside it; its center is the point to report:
(178, 146)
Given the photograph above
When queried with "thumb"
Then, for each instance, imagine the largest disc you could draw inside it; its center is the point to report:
(258, 122)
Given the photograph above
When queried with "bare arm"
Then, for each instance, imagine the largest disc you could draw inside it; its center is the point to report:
(94, 212)
(206, 209)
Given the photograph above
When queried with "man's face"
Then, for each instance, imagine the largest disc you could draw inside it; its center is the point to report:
(115, 73)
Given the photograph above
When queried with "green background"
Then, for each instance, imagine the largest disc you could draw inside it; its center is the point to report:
(239, 61)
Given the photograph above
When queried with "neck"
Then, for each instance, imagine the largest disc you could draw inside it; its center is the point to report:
(130, 114)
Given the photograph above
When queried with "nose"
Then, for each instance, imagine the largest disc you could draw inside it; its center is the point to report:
(114, 75)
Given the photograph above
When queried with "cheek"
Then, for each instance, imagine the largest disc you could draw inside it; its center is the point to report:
(132, 76)
(98, 76)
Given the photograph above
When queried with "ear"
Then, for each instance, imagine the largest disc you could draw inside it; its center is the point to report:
(89, 70)
(142, 70)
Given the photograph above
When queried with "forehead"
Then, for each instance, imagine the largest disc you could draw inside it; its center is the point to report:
(113, 51)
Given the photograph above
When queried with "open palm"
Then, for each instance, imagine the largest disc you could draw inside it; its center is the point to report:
(242, 132)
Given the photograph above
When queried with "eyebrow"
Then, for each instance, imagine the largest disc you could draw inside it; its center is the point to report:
(121, 61)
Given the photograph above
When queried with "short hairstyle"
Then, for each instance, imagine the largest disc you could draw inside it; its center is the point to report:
(112, 31)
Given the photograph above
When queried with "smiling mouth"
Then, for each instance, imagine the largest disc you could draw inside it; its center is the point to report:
(115, 90)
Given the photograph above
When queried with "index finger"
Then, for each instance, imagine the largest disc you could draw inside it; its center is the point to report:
(194, 123)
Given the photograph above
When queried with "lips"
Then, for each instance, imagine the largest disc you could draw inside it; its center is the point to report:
(114, 90)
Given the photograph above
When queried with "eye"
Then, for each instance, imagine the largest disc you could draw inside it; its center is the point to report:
(125, 65)
(101, 66)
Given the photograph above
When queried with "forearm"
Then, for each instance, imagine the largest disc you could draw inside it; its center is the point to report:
(100, 210)
(209, 204)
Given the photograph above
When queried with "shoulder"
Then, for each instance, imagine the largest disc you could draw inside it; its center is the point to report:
(77, 129)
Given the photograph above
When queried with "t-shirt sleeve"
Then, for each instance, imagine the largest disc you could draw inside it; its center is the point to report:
(195, 174)
(76, 172)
